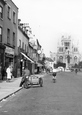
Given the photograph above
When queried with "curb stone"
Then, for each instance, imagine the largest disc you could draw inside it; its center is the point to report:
(5, 97)
(10, 94)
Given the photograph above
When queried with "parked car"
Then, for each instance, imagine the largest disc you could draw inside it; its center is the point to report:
(33, 80)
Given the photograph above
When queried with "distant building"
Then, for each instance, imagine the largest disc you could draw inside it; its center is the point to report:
(67, 52)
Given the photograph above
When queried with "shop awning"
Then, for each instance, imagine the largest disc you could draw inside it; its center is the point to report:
(39, 64)
(27, 57)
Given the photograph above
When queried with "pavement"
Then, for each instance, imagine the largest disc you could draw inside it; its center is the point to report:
(9, 88)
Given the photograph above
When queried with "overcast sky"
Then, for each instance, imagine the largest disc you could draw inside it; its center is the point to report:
(50, 19)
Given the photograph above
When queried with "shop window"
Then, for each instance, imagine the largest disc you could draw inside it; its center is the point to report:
(1, 12)
(8, 36)
(0, 34)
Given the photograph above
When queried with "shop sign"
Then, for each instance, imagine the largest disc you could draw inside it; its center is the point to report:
(9, 50)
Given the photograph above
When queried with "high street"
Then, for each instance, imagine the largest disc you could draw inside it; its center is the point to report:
(61, 98)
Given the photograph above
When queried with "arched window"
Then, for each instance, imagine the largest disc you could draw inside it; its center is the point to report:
(75, 59)
(61, 58)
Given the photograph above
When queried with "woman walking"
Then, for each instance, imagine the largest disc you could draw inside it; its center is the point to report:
(9, 73)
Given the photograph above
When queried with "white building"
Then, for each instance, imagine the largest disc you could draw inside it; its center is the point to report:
(67, 52)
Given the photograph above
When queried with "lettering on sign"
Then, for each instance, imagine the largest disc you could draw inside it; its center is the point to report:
(9, 50)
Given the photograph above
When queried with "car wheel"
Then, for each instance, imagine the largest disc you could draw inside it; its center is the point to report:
(25, 85)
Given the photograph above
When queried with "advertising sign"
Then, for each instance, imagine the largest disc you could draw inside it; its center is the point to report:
(9, 50)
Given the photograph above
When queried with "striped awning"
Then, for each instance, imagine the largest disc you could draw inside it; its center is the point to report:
(27, 57)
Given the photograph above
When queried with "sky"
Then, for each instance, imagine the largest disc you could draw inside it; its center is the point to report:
(50, 19)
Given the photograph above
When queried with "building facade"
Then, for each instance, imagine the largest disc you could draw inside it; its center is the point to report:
(25, 50)
(67, 52)
(8, 32)
(2, 46)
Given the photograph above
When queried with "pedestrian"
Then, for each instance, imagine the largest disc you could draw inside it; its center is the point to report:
(26, 73)
(54, 73)
(76, 70)
(9, 73)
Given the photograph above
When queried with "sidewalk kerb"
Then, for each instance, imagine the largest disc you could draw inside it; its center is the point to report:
(11, 94)
(8, 95)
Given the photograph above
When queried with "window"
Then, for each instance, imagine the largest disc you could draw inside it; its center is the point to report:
(13, 39)
(75, 49)
(0, 34)
(23, 45)
(66, 44)
(20, 43)
(1, 12)
(60, 49)
(14, 17)
(9, 12)
(8, 36)
(75, 59)
(27, 49)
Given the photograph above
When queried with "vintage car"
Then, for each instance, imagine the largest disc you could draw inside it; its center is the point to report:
(33, 80)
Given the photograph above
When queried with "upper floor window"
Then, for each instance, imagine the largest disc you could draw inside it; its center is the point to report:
(66, 44)
(8, 36)
(75, 49)
(1, 12)
(27, 49)
(0, 34)
(20, 43)
(23, 45)
(14, 17)
(13, 39)
(9, 12)
(60, 49)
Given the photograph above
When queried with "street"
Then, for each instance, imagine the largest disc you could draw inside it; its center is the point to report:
(61, 98)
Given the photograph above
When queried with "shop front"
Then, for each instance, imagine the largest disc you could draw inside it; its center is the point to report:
(28, 62)
(9, 56)
(2, 52)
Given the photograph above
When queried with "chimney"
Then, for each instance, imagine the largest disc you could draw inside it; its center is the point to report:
(19, 21)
